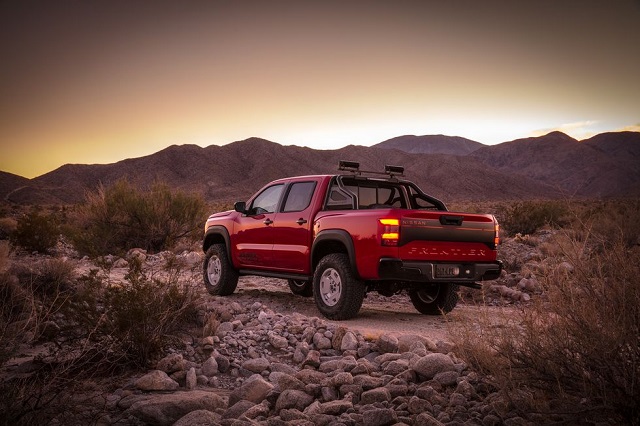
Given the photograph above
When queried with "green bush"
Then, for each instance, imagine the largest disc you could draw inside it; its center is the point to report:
(36, 231)
(120, 217)
(526, 217)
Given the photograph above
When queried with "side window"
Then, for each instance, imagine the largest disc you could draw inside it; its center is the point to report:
(338, 200)
(299, 196)
(267, 200)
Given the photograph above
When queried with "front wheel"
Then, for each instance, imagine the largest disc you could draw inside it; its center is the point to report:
(219, 276)
(301, 287)
(434, 299)
(337, 292)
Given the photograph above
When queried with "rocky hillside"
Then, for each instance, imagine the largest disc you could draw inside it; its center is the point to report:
(550, 166)
(431, 144)
(605, 165)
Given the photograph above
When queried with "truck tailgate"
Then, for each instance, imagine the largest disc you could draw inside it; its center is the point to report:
(447, 236)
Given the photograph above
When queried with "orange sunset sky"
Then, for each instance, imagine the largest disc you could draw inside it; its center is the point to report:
(100, 81)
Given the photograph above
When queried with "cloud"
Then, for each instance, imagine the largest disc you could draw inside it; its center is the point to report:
(631, 128)
(579, 130)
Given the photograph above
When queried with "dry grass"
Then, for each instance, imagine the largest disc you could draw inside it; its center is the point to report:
(574, 353)
(91, 329)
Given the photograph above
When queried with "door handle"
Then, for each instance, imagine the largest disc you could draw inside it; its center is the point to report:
(301, 221)
(267, 222)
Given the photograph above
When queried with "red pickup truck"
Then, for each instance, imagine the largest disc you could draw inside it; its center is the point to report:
(337, 237)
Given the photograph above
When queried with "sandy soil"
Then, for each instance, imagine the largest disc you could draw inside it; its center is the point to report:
(379, 314)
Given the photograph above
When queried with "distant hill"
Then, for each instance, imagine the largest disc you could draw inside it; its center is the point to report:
(597, 167)
(551, 166)
(431, 144)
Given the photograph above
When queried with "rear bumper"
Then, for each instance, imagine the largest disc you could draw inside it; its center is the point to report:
(420, 271)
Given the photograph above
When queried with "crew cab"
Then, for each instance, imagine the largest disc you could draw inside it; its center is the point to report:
(337, 237)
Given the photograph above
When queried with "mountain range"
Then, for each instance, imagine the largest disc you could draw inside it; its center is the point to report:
(448, 167)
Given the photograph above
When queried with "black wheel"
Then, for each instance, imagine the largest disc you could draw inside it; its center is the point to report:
(301, 287)
(219, 276)
(337, 292)
(434, 299)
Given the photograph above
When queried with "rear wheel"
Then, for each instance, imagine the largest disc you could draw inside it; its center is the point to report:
(434, 299)
(337, 292)
(219, 276)
(301, 287)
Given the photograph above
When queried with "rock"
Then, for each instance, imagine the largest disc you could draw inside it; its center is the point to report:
(417, 405)
(310, 376)
(278, 342)
(349, 342)
(321, 341)
(465, 388)
(224, 328)
(347, 363)
(120, 263)
(394, 368)
(292, 398)
(210, 367)
(341, 379)
(172, 363)
(406, 342)
(387, 344)
(312, 360)
(223, 363)
(254, 389)
(447, 378)
(237, 409)
(336, 340)
(426, 419)
(293, 416)
(192, 258)
(335, 408)
(430, 365)
(198, 418)
(379, 417)
(156, 380)
(375, 395)
(166, 409)
(257, 365)
(137, 254)
(283, 381)
(191, 380)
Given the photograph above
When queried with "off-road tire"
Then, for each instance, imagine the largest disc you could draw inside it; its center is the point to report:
(337, 292)
(301, 287)
(220, 278)
(434, 299)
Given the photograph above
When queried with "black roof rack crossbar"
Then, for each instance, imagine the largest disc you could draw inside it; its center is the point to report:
(354, 167)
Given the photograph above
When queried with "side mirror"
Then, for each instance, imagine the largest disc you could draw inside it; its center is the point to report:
(240, 207)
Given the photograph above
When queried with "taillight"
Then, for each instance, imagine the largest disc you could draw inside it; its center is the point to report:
(390, 232)
(496, 237)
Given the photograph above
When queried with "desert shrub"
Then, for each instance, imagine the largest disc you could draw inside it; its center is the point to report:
(574, 354)
(120, 217)
(526, 217)
(137, 320)
(45, 278)
(36, 231)
(103, 329)
(612, 220)
(8, 226)
(4, 256)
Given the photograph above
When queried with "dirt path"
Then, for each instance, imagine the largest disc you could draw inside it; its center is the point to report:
(393, 315)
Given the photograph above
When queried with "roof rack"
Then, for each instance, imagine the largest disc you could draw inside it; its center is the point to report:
(354, 167)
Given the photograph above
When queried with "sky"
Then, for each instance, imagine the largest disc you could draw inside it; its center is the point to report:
(100, 81)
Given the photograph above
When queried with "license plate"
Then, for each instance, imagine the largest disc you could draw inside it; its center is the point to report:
(447, 271)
